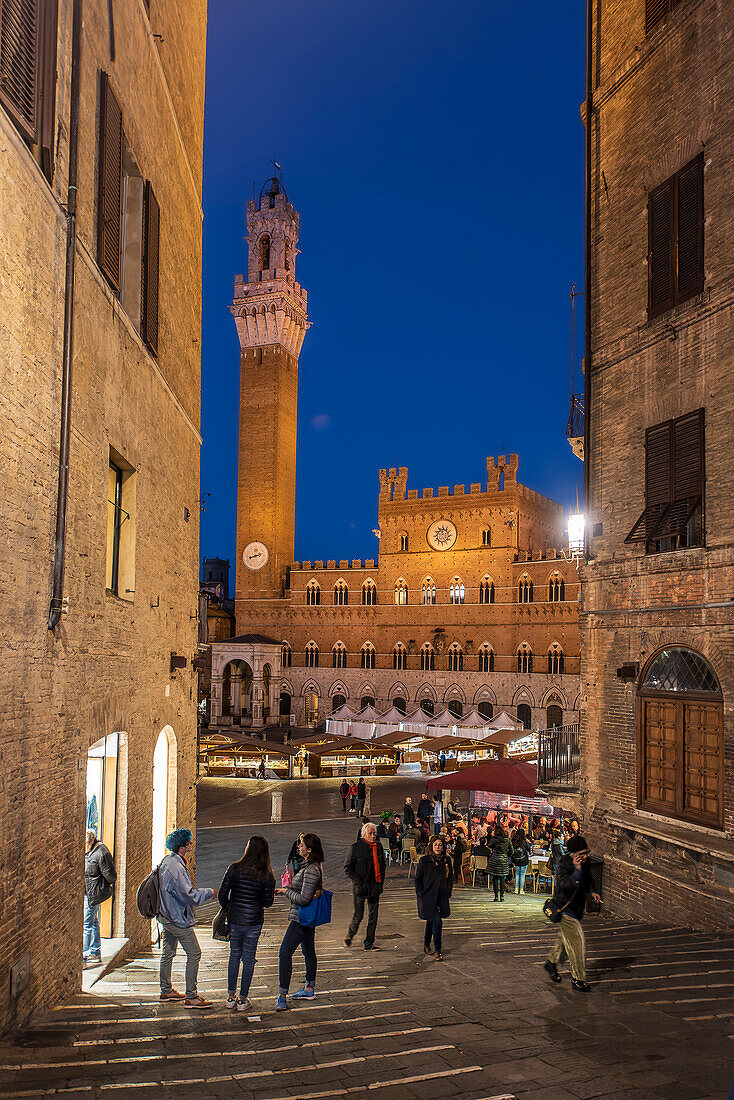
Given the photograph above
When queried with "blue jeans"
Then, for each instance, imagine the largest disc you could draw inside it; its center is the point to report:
(520, 873)
(296, 933)
(433, 931)
(92, 945)
(242, 947)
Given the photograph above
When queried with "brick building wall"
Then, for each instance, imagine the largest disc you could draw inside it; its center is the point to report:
(661, 98)
(105, 669)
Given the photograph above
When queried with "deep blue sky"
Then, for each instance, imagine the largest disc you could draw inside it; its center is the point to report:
(434, 150)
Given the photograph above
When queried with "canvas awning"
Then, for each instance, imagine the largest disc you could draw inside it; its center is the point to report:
(251, 746)
(498, 776)
(460, 744)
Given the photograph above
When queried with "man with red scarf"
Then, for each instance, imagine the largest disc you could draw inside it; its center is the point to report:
(365, 866)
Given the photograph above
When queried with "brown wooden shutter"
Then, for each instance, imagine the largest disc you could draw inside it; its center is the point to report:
(688, 434)
(47, 104)
(690, 230)
(660, 248)
(151, 251)
(658, 471)
(20, 50)
(109, 208)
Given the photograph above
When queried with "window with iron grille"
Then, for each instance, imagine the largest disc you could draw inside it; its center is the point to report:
(680, 770)
(28, 31)
(675, 239)
(673, 517)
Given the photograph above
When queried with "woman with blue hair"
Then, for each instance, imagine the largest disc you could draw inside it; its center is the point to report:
(178, 899)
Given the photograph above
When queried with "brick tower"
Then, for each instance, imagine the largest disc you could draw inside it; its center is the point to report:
(270, 314)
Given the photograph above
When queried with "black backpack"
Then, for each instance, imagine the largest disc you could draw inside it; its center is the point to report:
(519, 857)
(148, 897)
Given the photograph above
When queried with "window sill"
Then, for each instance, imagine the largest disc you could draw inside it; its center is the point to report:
(697, 838)
(127, 600)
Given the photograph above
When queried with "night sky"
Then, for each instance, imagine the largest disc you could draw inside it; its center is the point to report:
(435, 153)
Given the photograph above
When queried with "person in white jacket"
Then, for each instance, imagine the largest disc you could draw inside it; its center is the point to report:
(438, 816)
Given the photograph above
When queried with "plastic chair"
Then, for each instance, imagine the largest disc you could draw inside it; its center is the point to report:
(407, 845)
(413, 860)
(386, 847)
(479, 863)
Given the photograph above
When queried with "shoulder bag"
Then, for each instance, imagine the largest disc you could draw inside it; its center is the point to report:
(318, 910)
(554, 911)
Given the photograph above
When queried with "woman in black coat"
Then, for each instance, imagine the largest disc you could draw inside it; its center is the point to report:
(247, 890)
(434, 882)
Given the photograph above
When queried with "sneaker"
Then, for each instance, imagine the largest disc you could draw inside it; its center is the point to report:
(347, 941)
(174, 995)
(371, 947)
(244, 1006)
(438, 955)
(307, 993)
(552, 969)
(427, 949)
(231, 1000)
(197, 1002)
(280, 1004)
(92, 961)
(583, 987)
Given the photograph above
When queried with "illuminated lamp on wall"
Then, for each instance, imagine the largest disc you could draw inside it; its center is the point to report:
(576, 533)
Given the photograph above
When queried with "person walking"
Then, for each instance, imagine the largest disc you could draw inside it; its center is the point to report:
(499, 861)
(178, 899)
(361, 796)
(365, 866)
(433, 885)
(438, 815)
(442, 762)
(521, 849)
(408, 813)
(99, 878)
(557, 848)
(247, 890)
(424, 812)
(344, 792)
(306, 885)
(573, 885)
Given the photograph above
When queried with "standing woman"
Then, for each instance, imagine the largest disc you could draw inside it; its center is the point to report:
(521, 849)
(434, 882)
(247, 890)
(499, 860)
(307, 884)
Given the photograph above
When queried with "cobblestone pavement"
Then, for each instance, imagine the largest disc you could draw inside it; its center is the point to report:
(484, 1023)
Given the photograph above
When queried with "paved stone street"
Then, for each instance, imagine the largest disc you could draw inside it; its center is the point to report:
(484, 1023)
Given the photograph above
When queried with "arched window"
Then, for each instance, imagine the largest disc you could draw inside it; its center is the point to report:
(524, 658)
(555, 660)
(337, 701)
(553, 715)
(285, 703)
(455, 708)
(401, 592)
(487, 536)
(403, 542)
(339, 655)
(367, 701)
(525, 715)
(341, 593)
(313, 593)
(287, 254)
(399, 656)
(286, 655)
(312, 655)
(486, 591)
(428, 658)
(486, 710)
(265, 252)
(427, 706)
(428, 591)
(486, 658)
(399, 704)
(556, 588)
(681, 760)
(368, 655)
(369, 593)
(456, 658)
(456, 591)
(525, 589)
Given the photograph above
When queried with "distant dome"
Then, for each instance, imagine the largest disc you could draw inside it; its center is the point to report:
(271, 188)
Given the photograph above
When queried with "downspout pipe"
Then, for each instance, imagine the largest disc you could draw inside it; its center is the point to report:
(587, 295)
(54, 613)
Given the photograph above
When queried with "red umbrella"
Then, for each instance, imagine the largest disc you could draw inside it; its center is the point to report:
(499, 776)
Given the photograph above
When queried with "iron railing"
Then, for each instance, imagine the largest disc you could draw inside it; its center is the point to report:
(575, 425)
(559, 759)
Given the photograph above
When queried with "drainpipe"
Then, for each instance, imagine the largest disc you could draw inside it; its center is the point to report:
(587, 295)
(54, 613)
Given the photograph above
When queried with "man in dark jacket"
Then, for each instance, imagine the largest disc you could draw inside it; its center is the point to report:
(425, 810)
(573, 886)
(361, 796)
(99, 878)
(365, 866)
(408, 813)
(344, 792)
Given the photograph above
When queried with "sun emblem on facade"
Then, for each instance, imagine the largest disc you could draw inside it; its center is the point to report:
(441, 535)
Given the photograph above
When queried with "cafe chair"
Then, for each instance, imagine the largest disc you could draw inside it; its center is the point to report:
(479, 863)
(413, 860)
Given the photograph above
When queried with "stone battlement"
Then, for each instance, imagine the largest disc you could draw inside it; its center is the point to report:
(501, 476)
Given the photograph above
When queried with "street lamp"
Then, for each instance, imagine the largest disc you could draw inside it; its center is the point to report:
(576, 533)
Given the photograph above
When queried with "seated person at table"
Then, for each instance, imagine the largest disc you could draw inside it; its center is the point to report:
(382, 830)
(413, 833)
(482, 848)
(395, 833)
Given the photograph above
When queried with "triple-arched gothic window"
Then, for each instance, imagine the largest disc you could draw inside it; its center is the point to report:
(368, 655)
(524, 658)
(428, 591)
(555, 660)
(556, 589)
(525, 590)
(286, 655)
(313, 593)
(399, 656)
(486, 590)
(456, 591)
(428, 658)
(312, 655)
(456, 658)
(369, 593)
(401, 592)
(486, 658)
(341, 593)
(339, 655)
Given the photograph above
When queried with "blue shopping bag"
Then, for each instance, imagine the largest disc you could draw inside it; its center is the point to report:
(317, 911)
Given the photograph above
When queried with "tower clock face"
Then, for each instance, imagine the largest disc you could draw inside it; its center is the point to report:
(441, 535)
(255, 555)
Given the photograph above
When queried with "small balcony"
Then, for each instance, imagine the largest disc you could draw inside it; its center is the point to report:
(559, 759)
(575, 425)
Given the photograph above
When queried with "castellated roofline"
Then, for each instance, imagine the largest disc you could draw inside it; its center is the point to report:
(393, 486)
